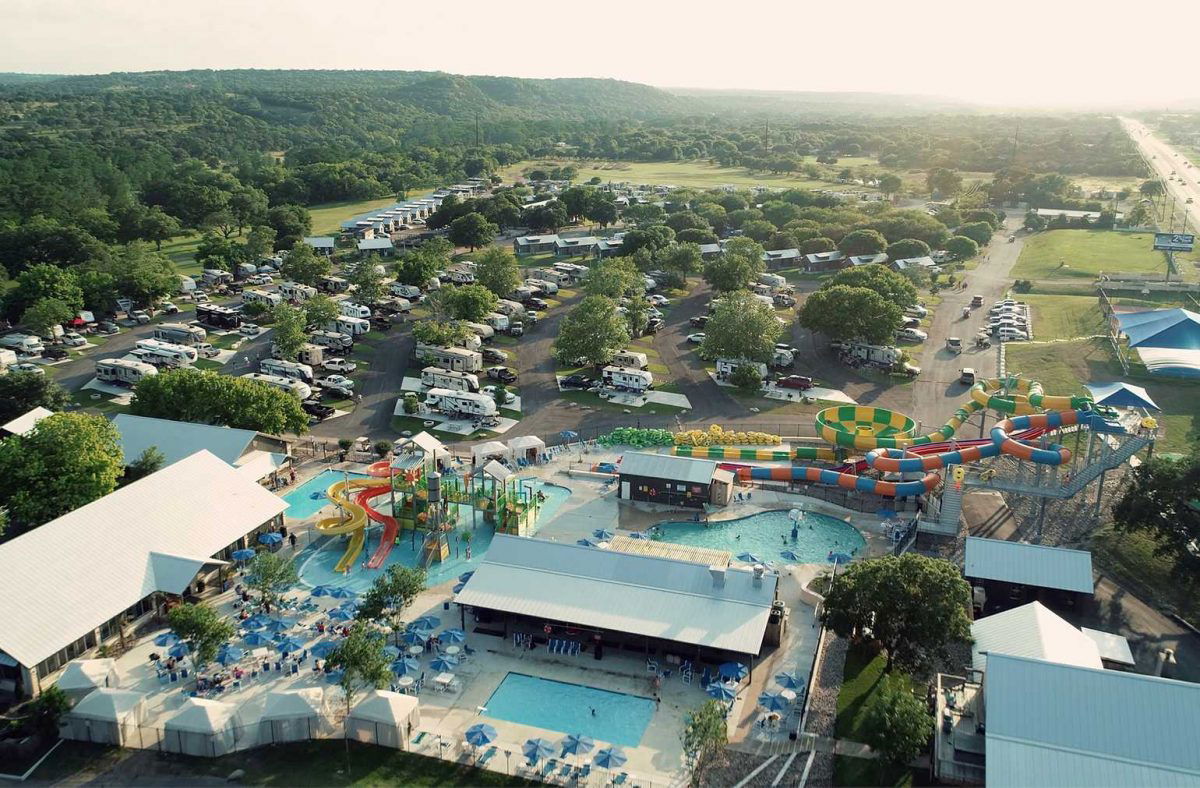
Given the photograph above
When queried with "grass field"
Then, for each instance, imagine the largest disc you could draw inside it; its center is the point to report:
(1085, 253)
(863, 677)
(699, 174)
(1064, 317)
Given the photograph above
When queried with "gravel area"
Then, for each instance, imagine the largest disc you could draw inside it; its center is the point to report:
(1068, 523)
(735, 768)
(822, 716)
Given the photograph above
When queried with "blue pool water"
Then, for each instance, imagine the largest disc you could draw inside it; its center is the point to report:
(766, 534)
(301, 504)
(567, 708)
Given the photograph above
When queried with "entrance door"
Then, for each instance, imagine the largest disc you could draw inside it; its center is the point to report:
(625, 490)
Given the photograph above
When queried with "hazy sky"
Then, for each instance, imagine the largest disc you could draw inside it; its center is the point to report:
(1047, 51)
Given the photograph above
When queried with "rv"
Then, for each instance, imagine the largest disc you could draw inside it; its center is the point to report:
(7, 359)
(123, 372)
(405, 291)
(354, 326)
(783, 359)
(331, 340)
(456, 359)
(726, 367)
(294, 291)
(497, 321)
(623, 378)
(628, 358)
(436, 377)
(180, 333)
(172, 353)
(299, 389)
(509, 308)
(218, 316)
(23, 343)
(186, 283)
(460, 277)
(460, 402)
(333, 284)
(772, 280)
(214, 277)
(261, 297)
(521, 294)
(286, 369)
(310, 354)
(560, 278)
(348, 309)
(881, 355)
(545, 285)
(480, 330)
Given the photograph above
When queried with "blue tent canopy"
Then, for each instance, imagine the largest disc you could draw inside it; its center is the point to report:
(1120, 395)
(1163, 328)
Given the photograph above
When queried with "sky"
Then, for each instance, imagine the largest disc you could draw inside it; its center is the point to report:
(1018, 53)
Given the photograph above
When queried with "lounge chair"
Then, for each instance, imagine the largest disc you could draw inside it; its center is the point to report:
(487, 756)
(620, 778)
(652, 667)
(183, 673)
(584, 773)
(549, 768)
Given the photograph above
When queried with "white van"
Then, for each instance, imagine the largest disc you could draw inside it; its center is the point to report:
(298, 388)
(348, 309)
(261, 297)
(123, 372)
(177, 354)
(23, 343)
(629, 358)
(436, 377)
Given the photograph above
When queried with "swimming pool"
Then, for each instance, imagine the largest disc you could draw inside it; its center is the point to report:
(766, 534)
(301, 504)
(610, 717)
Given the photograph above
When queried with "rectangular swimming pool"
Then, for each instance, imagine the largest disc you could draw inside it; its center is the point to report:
(609, 717)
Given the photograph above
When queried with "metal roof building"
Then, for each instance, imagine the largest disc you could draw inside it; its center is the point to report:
(25, 423)
(1031, 630)
(667, 466)
(1062, 726)
(180, 439)
(1028, 564)
(650, 597)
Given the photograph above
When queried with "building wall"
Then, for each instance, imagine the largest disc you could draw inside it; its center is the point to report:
(665, 491)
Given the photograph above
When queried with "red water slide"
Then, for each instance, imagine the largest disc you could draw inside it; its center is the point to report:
(391, 528)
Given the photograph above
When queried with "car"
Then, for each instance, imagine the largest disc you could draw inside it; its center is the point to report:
(976, 301)
(495, 356)
(502, 374)
(26, 366)
(340, 365)
(954, 344)
(576, 382)
(699, 321)
(658, 300)
(654, 312)
(537, 303)
(910, 322)
(531, 317)
(800, 382)
(1008, 334)
(249, 329)
(654, 325)
(917, 310)
(73, 339)
(338, 381)
(206, 350)
(509, 397)
(55, 353)
(696, 338)
(140, 315)
(316, 409)
(107, 327)
(168, 308)
(261, 279)
(337, 391)
(966, 375)
(912, 334)
(787, 348)
(200, 297)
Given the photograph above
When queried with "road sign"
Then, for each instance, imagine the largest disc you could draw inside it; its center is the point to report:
(1174, 242)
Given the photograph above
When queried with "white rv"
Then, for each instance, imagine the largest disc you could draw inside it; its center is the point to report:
(405, 291)
(23, 343)
(772, 280)
(169, 351)
(460, 402)
(348, 309)
(215, 276)
(186, 283)
(331, 340)
(726, 367)
(545, 285)
(180, 333)
(352, 326)
(123, 372)
(294, 291)
(497, 321)
(310, 354)
(456, 359)
(296, 387)
(629, 358)
(436, 377)
(626, 378)
(480, 330)
(509, 308)
(261, 297)
(286, 369)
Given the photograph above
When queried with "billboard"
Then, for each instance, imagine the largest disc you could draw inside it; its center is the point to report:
(1174, 242)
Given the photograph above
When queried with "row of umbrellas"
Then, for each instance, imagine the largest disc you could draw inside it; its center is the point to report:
(538, 749)
(788, 555)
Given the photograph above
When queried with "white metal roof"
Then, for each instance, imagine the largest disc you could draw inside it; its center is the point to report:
(1031, 630)
(666, 466)
(179, 439)
(1062, 726)
(1112, 647)
(636, 594)
(1028, 564)
(60, 581)
(27, 421)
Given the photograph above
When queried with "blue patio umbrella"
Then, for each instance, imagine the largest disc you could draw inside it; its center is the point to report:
(322, 590)
(341, 614)
(569, 435)
(610, 758)
(277, 625)
(537, 749)
(425, 622)
(443, 662)
(288, 645)
(465, 576)
(323, 648)
(721, 691)
(257, 639)
(480, 734)
(839, 558)
(458, 587)
(789, 555)
(270, 538)
(245, 554)
(603, 535)
(405, 666)
(773, 701)
(227, 655)
(179, 650)
(732, 670)
(576, 744)
(586, 543)
(452, 636)
(256, 621)
(351, 604)
(391, 651)
(166, 639)
(791, 680)
(749, 558)
(415, 637)
(341, 592)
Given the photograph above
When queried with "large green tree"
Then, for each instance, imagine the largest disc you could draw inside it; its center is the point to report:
(42, 316)
(1163, 502)
(391, 595)
(42, 281)
(891, 285)
(704, 736)
(319, 310)
(21, 392)
(736, 267)
(440, 333)
(742, 327)
(271, 574)
(943, 181)
(291, 223)
(202, 628)
(497, 270)
(143, 275)
(304, 265)
(979, 232)
(289, 330)
(468, 302)
(897, 724)
(420, 265)
(860, 242)
(593, 331)
(366, 279)
(962, 247)
(852, 313)
(472, 231)
(890, 184)
(364, 666)
(643, 214)
(914, 605)
(207, 397)
(908, 248)
(615, 278)
(681, 260)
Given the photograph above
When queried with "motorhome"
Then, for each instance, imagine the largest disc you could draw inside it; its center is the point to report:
(331, 340)
(179, 333)
(560, 278)
(629, 358)
(123, 372)
(436, 377)
(456, 359)
(627, 378)
(772, 280)
(286, 369)
(214, 277)
(354, 326)
(261, 297)
(221, 317)
(310, 354)
(296, 387)
(461, 277)
(405, 291)
(727, 366)
(332, 284)
(186, 283)
(348, 309)
(294, 291)
(23, 343)
(456, 403)
(176, 354)
(497, 321)
(509, 308)
(521, 294)
(480, 330)
(545, 285)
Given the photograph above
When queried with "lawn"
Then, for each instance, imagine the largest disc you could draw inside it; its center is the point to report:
(1130, 557)
(97, 402)
(698, 174)
(327, 218)
(1064, 316)
(1086, 253)
(863, 677)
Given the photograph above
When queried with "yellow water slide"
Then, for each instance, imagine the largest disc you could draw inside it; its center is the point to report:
(352, 520)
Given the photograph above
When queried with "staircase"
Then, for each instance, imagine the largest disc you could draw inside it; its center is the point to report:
(951, 510)
(1047, 485)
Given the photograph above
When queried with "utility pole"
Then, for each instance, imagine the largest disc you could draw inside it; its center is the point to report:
(476, 129)
(767, 135)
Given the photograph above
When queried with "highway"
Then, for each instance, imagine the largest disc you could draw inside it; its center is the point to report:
(1180, 176)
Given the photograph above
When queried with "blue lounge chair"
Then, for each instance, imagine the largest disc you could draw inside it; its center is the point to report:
(549, 768)
(183, 673)
(584, 773)
(487, 756)
(620, 778)
(174, 677)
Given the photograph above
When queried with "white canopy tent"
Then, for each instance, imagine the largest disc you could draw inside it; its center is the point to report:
(290, 715)
(82, 676)
(384, 718)
(482, 452)
(527, 447)
(106, 716)
(203, 727)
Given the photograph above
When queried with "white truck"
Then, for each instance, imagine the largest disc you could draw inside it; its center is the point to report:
(456, 359)
(25, 344)
(295, 291)
(456, 403)
(313, 355)
(123, 372)
(630, 358)
(436, 377)
(293, 370)
(627, 379)
(179, 333)
(169, 352)
(298, 388)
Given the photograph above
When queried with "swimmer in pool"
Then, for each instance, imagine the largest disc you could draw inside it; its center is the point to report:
(739, 536)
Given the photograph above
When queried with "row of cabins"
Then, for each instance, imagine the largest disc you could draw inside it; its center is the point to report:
(563, 246)
(388, 220)
(829, 261)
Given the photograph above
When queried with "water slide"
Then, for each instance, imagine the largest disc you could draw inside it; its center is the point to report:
(762, 455)
(352, 496)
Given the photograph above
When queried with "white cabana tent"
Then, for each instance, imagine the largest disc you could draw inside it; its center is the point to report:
(527, 447)
(203, 727)
(290, 715)
(384, 718)
(106, 716)
(81, 676)
(481, 452)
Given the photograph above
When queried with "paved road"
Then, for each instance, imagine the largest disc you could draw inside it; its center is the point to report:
(1166, 161)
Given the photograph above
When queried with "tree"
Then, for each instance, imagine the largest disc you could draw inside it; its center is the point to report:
(472, 230)
(291, 223)
(156, 225)
(759, 230)
(550, 216)
(1163, 503)
(364, 665)
(440, 333)
(213, 251)
(892, 286)
(42, 316)
(366, 279)
(643, 214)
(149, 461)
(746, 378)
(66, 461)
(304, 265)
(270, 574)
(247, 206)
(705, 734)
(390, 595)
(1034, 223)
(319, 310)
(468, 302)
(615, 278)
(222, 221)
(697, 237)
(779, 212)
(741, 327)
(290, 330)
(21, 392)
(913, 605)
(100, 291)
(497, 270)
(144, 275)
(40, 282)
(979, 232)
(420, 265)
(45, 711)
(575, 199)
(983, 215)
(593, 331)
(943, 181)
(962, 247)
(1151, 188)
(653, 239)
(861, 242)
(819, 245)
(890, 184)
(908, 248)
(687, 220)
(681, 260)
(207, 397)
(260, 242)
(852, 313)
(202, 628)
(897, 723)
(736, 267)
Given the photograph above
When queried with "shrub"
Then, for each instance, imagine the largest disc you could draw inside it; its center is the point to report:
(746, 378)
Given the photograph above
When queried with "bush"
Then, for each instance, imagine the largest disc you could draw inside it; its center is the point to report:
(256, 310)
(1022, 286)
(345, 444)
(382, 448)
(746, 378)
(411, 404)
